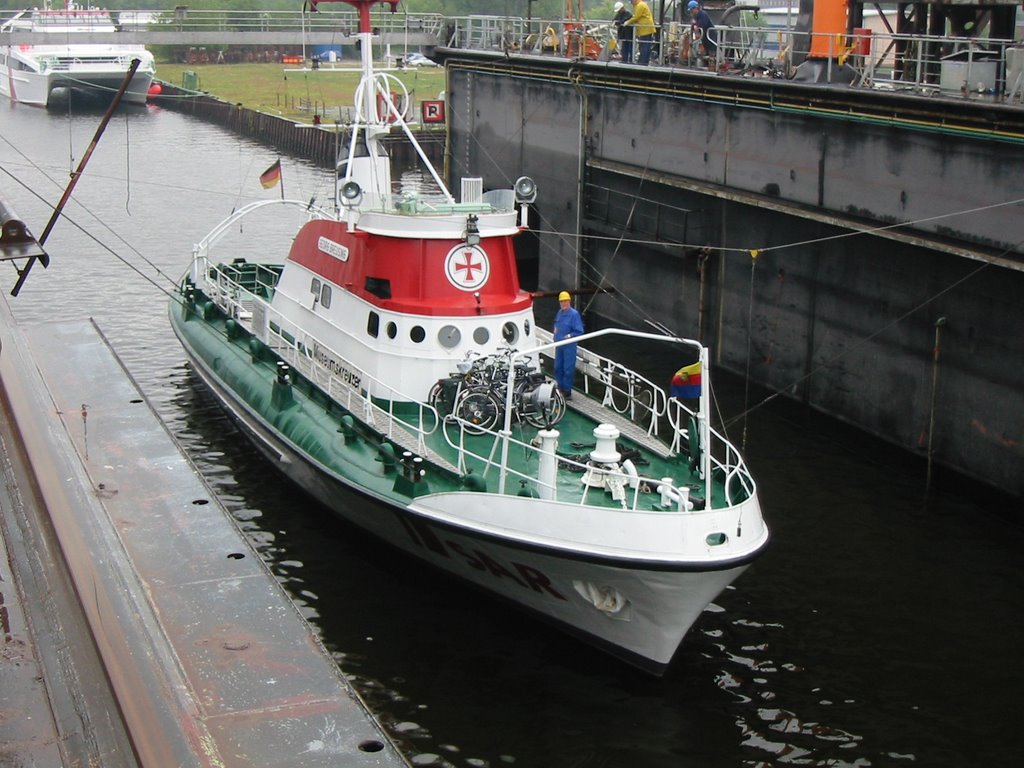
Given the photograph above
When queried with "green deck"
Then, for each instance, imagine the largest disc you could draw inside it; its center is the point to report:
(372, 457)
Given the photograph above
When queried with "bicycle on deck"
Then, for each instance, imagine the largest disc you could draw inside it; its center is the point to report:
(478, 392)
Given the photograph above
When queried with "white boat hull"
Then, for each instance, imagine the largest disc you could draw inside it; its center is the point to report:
(636, 606)
(35, 88)
(395, 353)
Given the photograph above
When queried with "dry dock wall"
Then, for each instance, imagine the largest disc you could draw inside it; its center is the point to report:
(736, 209)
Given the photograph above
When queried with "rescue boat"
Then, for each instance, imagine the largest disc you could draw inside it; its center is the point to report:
(394, 353)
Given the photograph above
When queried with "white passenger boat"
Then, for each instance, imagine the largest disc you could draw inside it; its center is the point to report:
(29, 73)
(393, 352)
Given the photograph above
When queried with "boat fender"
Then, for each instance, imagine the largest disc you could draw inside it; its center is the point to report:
(473, 482)
(386, 455)
(234, 330)
(255, 350)
(208, 310)
(693, 437)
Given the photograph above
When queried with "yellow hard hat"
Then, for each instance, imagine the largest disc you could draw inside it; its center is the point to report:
(564, 296)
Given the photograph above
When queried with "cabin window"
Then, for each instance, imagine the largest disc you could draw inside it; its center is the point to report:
(373, 324)
(314, 287)
(379, 287)
(325, 296)
(392, 330)
(481, 335)
(510, 333)
(417, 334)
(526, 327)
(449, 336)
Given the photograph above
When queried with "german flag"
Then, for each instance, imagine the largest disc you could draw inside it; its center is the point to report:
(272, 175)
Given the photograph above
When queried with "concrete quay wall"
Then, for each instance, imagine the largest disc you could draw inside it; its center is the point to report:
(739, 210)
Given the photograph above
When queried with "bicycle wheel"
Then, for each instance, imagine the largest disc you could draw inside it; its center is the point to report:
(434, 397)
(442, 394)
(479, 410)
(643, 403)
(557, 408)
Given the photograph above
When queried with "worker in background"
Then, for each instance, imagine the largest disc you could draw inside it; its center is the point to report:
(568, 325)
(624, 33)
(643, 24)
(702, 21)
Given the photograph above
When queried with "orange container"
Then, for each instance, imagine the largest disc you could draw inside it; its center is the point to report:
(828, 23)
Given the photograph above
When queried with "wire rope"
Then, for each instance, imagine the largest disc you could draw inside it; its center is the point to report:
(104, 246)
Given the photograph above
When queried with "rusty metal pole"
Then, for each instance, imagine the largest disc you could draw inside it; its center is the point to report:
(935, 387)
(702, 270)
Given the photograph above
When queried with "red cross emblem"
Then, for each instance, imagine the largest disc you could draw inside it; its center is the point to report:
(467, 267)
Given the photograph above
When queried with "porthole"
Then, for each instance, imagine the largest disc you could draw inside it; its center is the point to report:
(449, 336)
(417, 334)
(373, 324)
(325, 296)
(510, 333)
(392, 330)
(716, 539)
(481, 336)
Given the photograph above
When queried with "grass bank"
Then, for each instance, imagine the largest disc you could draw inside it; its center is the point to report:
(289, 91)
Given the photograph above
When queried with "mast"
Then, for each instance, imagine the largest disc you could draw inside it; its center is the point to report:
(365, 180)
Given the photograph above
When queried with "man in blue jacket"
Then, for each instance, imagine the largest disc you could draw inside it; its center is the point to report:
(568, 325)
(702, 21)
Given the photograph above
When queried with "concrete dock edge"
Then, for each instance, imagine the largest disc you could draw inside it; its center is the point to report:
(168, 642)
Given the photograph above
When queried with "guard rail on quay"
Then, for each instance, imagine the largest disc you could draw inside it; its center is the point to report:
(751, 42)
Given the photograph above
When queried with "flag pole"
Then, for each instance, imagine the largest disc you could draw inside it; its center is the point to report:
(281, 175)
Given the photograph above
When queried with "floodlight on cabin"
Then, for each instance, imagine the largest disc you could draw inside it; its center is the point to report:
(525, 189)
(351, 194)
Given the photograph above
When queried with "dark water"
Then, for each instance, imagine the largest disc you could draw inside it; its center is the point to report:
(878, 630)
